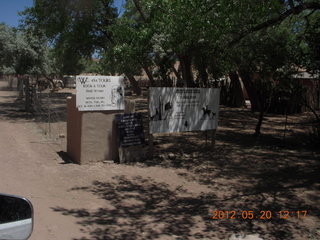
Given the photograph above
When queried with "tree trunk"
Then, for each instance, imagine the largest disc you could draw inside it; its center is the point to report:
(134, 84)
(149, 74)
(236, 93)
(139, 8)
(20, 87)
(27, 102)
(262, 98)
(176, 72)
(187, 75)
(258, 126)
(203, 75)
(256, 104)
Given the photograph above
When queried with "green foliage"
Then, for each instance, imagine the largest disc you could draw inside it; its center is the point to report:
(215, 37)
(311, 36)
(23, 53)
(7, 50)
(131, 46)
(91, 65)
(75, 28)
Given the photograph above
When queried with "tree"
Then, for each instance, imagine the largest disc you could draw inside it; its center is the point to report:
(310, 35)
(75, 29)
(7, 50)
(210, 39)
(24, 53)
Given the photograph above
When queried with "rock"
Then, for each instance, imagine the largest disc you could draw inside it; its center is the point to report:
(245, 237)
(108, 161)
(195, 155)
(171, 156)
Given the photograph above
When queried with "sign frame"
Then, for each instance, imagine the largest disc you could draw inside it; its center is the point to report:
(99, 93)
(183, 109)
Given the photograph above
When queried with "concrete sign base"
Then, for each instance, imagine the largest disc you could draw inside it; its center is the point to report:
(91, 136)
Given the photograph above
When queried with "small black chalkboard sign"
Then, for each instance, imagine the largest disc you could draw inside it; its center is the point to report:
(130, 130)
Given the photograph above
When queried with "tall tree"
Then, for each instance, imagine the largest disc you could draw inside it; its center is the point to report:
(7, 49)
(75, 28)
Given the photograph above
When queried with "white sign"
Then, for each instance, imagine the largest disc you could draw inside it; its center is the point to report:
(99, 93)
(183, 109)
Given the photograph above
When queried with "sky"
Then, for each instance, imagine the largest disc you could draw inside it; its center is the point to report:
(9, 10)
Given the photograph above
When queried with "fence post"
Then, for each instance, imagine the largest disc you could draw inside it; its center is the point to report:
(150, 135)
(26, 81)
(213, 138)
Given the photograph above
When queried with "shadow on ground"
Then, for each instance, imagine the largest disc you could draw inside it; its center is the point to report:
(243, 173)
(13, 110)
(65, 157)
(141, 208)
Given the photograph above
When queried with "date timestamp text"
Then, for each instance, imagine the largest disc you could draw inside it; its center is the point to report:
(262, 214)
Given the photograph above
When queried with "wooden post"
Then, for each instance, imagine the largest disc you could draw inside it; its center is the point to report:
(26, 81)
(150, 136)
(128, 154)
(206, 133)
(129, 106)
(213, 138)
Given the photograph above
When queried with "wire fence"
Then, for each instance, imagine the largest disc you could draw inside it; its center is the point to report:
(47, 108)
(50, 114)
(8, 82)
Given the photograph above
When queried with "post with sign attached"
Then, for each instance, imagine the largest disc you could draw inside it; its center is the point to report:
(91, 134)
(100, 93)
(183, 110)
(130, 137)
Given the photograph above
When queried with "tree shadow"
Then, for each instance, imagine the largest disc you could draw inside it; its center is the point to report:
(141, 208)
(13, 110)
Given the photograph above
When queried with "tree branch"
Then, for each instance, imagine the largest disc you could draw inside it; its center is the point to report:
(291, 4)
(294, 10)
(138, 7)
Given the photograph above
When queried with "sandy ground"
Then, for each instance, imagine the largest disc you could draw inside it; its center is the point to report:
(176, 194)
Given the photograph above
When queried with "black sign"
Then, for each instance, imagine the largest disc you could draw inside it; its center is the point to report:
(130, 130)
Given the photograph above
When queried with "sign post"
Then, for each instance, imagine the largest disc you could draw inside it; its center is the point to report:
(90, 125)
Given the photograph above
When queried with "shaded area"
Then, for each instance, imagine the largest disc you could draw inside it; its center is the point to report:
(64, 157)
(8, 83)
(13, 110)
(51, 107)
(141, 208)
(242, 172)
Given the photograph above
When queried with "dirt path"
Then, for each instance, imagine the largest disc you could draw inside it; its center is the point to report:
(70, 200)
(172, 196)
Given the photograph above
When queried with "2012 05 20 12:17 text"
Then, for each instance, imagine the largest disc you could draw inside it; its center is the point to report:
(261, 214)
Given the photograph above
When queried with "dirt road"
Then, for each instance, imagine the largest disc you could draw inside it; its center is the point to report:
(32, 169)
(176, 194)
(70, 200)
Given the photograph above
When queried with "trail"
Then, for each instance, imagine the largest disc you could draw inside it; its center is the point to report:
(81, 202)
(161, 198)
(31, 168)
